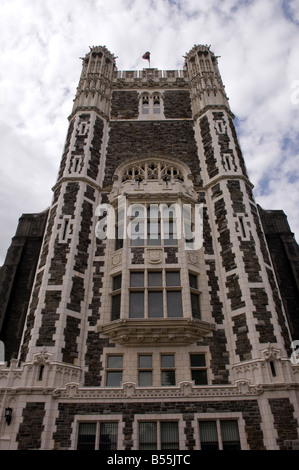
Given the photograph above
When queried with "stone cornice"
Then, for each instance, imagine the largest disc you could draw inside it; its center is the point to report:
(85, 109)
(218, 178)
(79, 179)
(214, 107)
(162, 331)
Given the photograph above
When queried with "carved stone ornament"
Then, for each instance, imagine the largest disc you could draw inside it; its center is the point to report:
(131, 390)
(154, 255)
(116, 260)
(42, 357)
(193, 258)
(271, 353)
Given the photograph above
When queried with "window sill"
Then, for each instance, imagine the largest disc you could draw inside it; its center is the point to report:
(162, 331)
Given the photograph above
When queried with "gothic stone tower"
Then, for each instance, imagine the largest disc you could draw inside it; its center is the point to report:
(141, 343)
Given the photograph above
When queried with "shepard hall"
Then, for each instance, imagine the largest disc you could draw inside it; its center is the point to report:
(154, 305)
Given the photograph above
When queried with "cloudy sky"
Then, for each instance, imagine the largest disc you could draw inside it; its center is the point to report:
(41, 42)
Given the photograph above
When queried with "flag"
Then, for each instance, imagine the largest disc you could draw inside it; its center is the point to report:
(147, 56)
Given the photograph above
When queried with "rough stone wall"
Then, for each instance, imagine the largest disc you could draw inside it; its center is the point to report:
(124, 105)
(284, 421)
(66, 149)
(173, 139)
(210, 160)
(248, 408)
(177, 104)
(95, 149)
(30, 431)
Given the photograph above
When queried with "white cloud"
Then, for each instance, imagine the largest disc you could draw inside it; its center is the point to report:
(41, 42)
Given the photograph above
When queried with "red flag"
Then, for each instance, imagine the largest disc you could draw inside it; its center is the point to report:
(147, 56)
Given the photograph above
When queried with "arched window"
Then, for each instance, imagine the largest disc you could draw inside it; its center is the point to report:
(145, 104)
(152, 170)
(156, 104)
(151, 104)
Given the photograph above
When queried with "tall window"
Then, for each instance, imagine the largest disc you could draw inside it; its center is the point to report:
(195, 297)
(114, 371)
(153, 225)
(145, 370)
(116, 297)
(120, 228)
(198, 369)
(158, 435)
(145, 104)
(108, 436)
(219, 435)
(167, 370)
(155, 294)
(86, 436)
(156, 104)
(97, 435)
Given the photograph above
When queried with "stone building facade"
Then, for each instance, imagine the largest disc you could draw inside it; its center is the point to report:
(154, 338)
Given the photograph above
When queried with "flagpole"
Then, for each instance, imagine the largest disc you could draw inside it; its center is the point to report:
(147, 56)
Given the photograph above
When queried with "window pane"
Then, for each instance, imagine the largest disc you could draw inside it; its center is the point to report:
(108, 436)
(168, 378)
(195, 305)
(115, 362)
(169, 435)
(199, 376)
(145, 378)
(208, 435)
(154, 278)
(117, 282)
(174, 304)
(137, 279)
(136, 232)
(137, 242)
(115, 309)
(230, 435)
(119, 239)
(86, 436)
(170, 233)
(147, 436)
(114, 379)
(193, 281)
(167, 360)
(121, 214)
(119, 243)
(145, 362)
(197, 360)
(136, 305)
(153, 233)
(173, 278)
(155, 304)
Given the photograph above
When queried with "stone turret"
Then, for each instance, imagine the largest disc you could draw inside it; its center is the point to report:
(94, 90)
(205, 80)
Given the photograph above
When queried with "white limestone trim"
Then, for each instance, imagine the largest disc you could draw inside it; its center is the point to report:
(184, 391)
